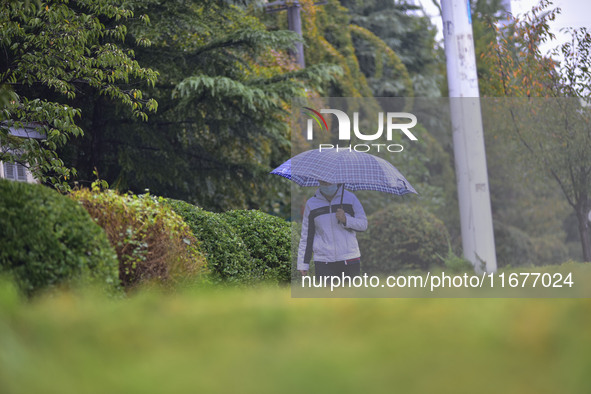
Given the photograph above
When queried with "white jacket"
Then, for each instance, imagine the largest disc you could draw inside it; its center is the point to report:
(323, 236)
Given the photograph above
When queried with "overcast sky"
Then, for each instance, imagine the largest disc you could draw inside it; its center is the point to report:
(574, 13)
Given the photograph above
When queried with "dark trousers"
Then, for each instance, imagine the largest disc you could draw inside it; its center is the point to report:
(350, 268)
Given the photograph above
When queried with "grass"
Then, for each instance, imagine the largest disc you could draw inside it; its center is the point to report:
(260, 340)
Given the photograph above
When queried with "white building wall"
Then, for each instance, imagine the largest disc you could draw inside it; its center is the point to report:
(28, 174)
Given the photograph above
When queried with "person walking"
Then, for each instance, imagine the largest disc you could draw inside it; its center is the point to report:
(332, 217)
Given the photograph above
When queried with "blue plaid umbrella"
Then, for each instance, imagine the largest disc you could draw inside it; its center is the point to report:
(356, 170)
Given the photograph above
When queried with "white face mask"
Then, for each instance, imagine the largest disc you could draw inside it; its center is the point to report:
(329, 190)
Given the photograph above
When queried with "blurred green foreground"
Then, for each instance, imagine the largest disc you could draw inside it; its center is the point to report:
(262, 341)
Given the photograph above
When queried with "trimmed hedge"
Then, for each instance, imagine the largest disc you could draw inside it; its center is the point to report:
(152, 242)
(268, 239)
(47, 239)
(227, 255)
(403, 237)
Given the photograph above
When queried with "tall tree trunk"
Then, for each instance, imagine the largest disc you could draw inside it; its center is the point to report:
(582, 212)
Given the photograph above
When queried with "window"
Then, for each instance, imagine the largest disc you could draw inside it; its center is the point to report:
(15, 171)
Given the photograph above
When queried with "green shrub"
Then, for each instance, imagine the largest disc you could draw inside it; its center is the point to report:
(152, 242)
(455, 264)
(47, 239)
(228, 258)
(268, 239)
(513, 246)
(517, 248)
(549, 249)
(402, 237)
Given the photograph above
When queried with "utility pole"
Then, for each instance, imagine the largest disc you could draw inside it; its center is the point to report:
(468, 138)
(294, 23)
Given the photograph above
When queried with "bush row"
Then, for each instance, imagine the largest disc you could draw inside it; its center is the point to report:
(241, 246)
(118, 240)
(125, 240)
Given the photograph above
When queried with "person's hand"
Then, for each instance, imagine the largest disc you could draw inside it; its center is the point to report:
(341, 216)
(304, 272)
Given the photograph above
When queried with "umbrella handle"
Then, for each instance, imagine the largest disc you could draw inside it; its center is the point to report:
(342, 194)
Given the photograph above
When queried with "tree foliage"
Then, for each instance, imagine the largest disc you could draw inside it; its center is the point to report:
(224, 89)
(550, 122)
(518, 67)
(222, 79)
(522, 200)
(385, 48)
(53, 52)
(408, 53)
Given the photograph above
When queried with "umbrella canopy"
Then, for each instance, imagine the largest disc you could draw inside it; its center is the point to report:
(356, 170)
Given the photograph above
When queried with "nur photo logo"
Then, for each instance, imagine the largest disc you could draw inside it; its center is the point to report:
(388, 124)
